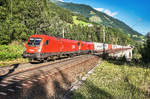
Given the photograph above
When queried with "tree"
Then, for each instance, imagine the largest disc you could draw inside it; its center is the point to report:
(145, 52)
(21, 18)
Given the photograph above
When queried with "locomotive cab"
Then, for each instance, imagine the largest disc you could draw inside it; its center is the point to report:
(34, 45)
(42, 47)
(33, 48)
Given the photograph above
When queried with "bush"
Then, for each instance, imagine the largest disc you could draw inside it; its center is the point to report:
(10, 52)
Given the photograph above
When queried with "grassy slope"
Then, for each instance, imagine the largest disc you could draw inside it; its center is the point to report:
(110, 81)
(79, 21)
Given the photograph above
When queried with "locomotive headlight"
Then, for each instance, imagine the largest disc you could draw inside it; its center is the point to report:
(39, 50)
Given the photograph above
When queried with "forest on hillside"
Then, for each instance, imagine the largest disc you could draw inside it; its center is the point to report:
(100, 18)
(21, 18)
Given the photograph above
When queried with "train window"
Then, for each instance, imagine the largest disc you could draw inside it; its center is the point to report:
(47, 41)
(34, 42)
(78, 43)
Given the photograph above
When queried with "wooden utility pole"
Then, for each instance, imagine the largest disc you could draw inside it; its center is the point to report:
(103, 34)
(104, 39)
(63, 32)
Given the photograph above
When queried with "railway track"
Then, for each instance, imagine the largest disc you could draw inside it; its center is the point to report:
(19, 76)
(18, 68)
(13, 70)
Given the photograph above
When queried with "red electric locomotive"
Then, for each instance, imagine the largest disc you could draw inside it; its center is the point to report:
(44, 47)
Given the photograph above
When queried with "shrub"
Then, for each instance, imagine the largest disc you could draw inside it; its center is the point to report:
(10, 52)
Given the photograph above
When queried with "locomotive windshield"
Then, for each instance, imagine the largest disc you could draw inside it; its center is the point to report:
(34, 42)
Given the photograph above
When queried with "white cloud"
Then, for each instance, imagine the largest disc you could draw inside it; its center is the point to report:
(61, 0)
(108, 12)
(100, 9)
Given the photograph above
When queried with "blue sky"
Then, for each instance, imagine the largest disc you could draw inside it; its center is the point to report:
(135, 13)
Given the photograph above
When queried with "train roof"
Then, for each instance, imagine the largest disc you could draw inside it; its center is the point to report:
(39, 35)
(51, 37)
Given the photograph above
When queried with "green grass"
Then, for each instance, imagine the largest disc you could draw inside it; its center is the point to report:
(79, 21)
(111, 81)
(11, 53)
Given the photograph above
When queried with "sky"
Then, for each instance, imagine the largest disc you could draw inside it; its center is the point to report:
(135, 13)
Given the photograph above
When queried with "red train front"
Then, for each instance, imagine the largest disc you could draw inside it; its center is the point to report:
(43, 47)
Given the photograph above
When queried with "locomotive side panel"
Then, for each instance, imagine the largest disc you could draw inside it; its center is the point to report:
(69, 45)
(84, 47)
(90, 46)
(51, 45)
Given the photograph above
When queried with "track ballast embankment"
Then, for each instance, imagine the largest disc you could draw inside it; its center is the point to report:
(45, 81)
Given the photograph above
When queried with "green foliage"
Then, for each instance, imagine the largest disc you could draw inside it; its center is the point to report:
(10, 52)
(81, 17)
(113, 36)
(20, 19)
(102, 18)
(111, 81)
(145, 51)
(79, 21)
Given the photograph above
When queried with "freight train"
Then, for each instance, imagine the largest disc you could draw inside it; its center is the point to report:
(44, 47)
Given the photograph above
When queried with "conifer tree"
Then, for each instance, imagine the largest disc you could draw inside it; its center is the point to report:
(146, 50)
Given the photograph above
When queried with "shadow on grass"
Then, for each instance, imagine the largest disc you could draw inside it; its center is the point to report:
(93, 92)
(135, 91)
(123, 61)
(90, 91)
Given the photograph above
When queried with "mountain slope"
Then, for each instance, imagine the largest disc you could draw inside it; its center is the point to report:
(43, 17)
(103, 18)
